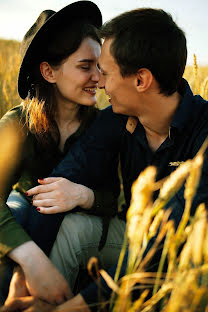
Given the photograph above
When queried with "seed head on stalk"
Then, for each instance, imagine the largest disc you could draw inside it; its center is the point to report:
(142, 191)
(139, 213)
(190, 191)
(198, 235)
(171, 186)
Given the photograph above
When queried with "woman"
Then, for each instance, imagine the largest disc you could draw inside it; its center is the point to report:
(57, 80)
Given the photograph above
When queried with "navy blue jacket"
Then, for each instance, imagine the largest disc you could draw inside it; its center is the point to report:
(93, 160)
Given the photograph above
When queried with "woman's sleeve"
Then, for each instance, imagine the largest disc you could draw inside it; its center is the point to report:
(11, 233)
(93, 160)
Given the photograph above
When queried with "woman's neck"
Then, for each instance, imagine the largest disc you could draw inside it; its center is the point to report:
(66, 113)
(67, 119)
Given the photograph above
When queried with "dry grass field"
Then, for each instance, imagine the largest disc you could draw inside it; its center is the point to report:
(185, 285)
(10, 61)
(9, 66)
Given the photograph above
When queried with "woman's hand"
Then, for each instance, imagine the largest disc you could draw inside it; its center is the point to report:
(31, 304)
(27, 304)
(17, 286)
(56, 195)
(42, 279)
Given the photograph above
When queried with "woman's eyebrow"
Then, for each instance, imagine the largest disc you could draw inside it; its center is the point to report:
(86, 61)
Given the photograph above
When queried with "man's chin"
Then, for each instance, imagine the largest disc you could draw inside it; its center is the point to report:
(118, 110)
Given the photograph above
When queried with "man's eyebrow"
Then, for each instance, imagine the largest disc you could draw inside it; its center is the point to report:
(101, 68)
(86, 61)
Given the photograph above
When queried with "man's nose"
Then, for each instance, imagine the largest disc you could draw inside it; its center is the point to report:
(101, 84)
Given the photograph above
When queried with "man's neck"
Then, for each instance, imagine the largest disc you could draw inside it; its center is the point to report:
(156, 121)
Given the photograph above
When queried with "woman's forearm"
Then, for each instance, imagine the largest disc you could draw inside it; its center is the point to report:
(43, 280)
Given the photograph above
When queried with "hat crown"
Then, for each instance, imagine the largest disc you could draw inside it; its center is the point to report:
(34, 41)
(31, 33)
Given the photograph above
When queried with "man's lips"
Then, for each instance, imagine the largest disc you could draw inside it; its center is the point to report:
(109, 98)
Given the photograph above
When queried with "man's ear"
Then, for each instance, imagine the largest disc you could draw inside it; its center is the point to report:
(144, 79)
(47, 72)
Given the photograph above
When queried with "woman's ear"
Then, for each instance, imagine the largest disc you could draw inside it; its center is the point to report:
(144, 79)
(47, 72)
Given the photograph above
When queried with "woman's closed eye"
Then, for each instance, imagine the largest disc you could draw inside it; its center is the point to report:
(85, 67)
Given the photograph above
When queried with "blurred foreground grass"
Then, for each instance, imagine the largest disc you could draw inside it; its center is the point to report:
(181, 281)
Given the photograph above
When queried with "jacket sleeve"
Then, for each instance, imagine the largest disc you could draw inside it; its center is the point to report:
(105, 204)
(93, 161)
(11, 233)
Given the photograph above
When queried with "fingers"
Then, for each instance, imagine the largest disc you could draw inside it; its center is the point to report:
(49, 210)
(39, 189)
(17, 304)
(17, 286)
(47, 195)
(47, 185)
(28, 304)
(46, 203)
(41, 306)
(68, 293)
(49, 180)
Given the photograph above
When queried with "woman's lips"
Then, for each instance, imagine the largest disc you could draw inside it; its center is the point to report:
(90, 90)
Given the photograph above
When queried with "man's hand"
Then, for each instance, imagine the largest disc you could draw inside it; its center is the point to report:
(56, 195)
(27, 304)
(43, 280)
(17, 286)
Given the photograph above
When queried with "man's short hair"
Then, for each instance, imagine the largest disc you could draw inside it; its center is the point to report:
(148, 38)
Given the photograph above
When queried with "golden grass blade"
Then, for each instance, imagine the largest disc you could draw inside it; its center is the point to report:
(172, 184)
(162, 259)
(190, 190)
(149, 304)
(196, 81)
(138, 303)
(118, 269)
(110, 281)
(204, 88)
(198, 235)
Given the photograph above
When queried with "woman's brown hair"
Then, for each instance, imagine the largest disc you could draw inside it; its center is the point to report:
(40, 106)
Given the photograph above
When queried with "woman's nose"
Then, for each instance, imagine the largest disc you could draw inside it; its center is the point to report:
(96, 74)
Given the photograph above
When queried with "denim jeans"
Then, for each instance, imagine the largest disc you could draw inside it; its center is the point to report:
(20, 208)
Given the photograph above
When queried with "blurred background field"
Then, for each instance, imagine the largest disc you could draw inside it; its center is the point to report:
(10, 62)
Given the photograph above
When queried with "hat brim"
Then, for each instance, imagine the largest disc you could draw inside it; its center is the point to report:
(77, 10)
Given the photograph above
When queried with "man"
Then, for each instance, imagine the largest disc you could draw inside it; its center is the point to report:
(142, 63)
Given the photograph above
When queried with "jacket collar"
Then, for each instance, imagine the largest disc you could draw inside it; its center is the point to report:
(186, 109)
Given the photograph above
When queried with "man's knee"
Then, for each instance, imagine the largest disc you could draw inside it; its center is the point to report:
(80, 228)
